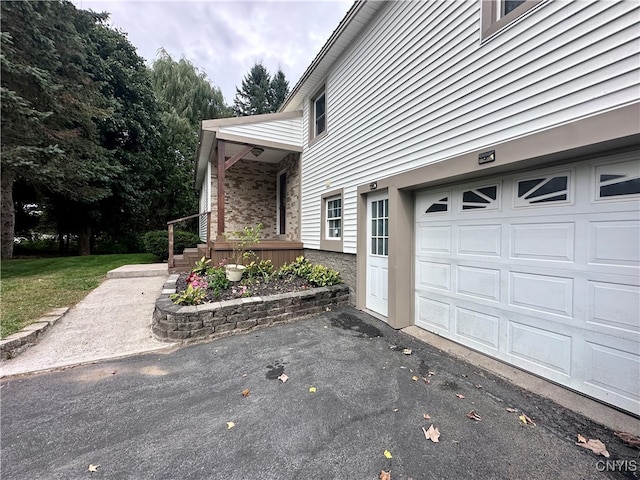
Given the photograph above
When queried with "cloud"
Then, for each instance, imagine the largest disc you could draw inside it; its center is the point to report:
(225, 38)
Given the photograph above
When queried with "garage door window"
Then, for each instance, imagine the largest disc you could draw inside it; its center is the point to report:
(439, 206)
(484, 198)
(618, 180)
(543, 190)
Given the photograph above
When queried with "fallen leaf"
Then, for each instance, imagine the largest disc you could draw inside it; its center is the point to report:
(629, 439)
(395, 409)
(426, 380)
(426, 416)
(581, 439)
(414, 378)
(596, 446)
(526, 420)
(246, 392)
(478, 386)
(459, 395)
(432, 434)
(385, 475)
(512, 410)
(387, 454)
(114, 372)
(93, 468)
(472, 415)
(230, 425)
(407, 351)
(431, 374)
(283, 378)
(312, 389)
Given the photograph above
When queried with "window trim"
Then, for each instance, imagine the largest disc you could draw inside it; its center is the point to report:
(327, 243)
(313, 138)
(491, 22)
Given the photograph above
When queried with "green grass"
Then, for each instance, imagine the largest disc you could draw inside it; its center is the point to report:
(31, 287)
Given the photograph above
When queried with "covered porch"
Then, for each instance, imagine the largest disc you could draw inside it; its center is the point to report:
(248, 172)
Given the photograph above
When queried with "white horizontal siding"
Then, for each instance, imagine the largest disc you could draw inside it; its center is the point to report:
(418, 87)
(281, 131)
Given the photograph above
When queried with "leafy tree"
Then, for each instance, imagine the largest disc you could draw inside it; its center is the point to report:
(49, 102)
(186, 98)
(279, 90)
(254, 98)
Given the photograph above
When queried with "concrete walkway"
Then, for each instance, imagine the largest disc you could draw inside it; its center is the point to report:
(113, 321)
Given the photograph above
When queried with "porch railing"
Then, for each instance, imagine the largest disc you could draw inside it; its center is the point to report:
(170, 225)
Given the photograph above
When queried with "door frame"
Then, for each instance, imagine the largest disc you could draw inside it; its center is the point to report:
(381, 309)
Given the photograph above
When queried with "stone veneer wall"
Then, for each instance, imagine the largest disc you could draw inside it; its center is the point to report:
(251, 196)
(345, 263)
(173, 322)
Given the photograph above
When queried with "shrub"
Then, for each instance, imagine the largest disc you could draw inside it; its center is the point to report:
(301, 267)
(218, 280)
(322, 276)
(157, 242)
(263, 268)
(191, 296)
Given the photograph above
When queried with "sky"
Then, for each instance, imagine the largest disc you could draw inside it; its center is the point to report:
(225, 38)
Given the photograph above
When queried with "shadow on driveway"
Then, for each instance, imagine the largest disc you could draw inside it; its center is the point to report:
(165, 416)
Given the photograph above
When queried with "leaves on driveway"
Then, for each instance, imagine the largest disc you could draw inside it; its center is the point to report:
(246, 392)
(385, 475)
(526, 420)
(432, 434)
(596, 446)
(387, 454)
(230, 425)
(415, 378)
(629, 439)
(472, 415)
(512, 410)
(459, 395)
(312, 389)
(407, 351)
(426, 416)
(93, 468)
(283, 378)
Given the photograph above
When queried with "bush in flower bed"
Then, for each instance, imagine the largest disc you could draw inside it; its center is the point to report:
(207, 283)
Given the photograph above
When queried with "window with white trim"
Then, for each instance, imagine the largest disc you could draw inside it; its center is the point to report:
(497, 14)
(334, 218)
(318, 115)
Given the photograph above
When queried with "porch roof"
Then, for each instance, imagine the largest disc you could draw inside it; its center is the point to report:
(277, 133)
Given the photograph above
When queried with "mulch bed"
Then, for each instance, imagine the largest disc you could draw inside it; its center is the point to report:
(259, 288)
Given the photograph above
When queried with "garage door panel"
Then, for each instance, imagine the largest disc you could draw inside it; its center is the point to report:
(614, 243)
(434, 275)
(542, 349)
(614, 309)
(435, 239)
(478, 327)
(614, 372)
(433, 314)
(478, 282)
(543, 241)
(482, 240)
(543, 293)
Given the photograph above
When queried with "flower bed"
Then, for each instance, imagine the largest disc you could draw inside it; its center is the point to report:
(205, 304)
(189, 323)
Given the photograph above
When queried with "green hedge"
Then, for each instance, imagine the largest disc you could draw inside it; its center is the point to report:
(157, 242)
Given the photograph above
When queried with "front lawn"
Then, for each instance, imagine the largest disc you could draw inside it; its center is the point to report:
(31, 287)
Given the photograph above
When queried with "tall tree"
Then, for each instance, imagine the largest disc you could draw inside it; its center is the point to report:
(49, 103)
(186, 98)
(279, 90)
(254, 98)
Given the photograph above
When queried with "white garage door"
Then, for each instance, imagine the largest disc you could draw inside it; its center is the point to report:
(541, 270)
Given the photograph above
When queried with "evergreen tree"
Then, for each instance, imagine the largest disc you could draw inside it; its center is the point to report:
(279, 90)
(254, 98)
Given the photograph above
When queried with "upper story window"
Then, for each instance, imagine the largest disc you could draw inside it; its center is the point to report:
(318, 115)
(497, 14)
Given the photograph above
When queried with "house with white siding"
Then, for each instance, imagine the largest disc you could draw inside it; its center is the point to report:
(471, 168)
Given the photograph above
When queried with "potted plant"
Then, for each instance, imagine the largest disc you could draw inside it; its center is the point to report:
(242, 241)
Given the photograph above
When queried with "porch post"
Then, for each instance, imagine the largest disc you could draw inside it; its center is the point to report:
(221, 171)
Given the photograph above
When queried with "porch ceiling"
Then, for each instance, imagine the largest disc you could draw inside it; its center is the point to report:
(277, 134)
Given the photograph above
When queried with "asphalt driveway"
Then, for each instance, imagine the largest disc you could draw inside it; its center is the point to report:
(165, 415)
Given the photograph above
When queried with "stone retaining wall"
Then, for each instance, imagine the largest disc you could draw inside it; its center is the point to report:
(173, 322)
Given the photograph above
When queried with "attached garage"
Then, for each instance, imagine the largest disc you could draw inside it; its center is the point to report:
(539, 269)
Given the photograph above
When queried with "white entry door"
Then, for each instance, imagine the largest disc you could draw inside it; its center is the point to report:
(378, 253)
